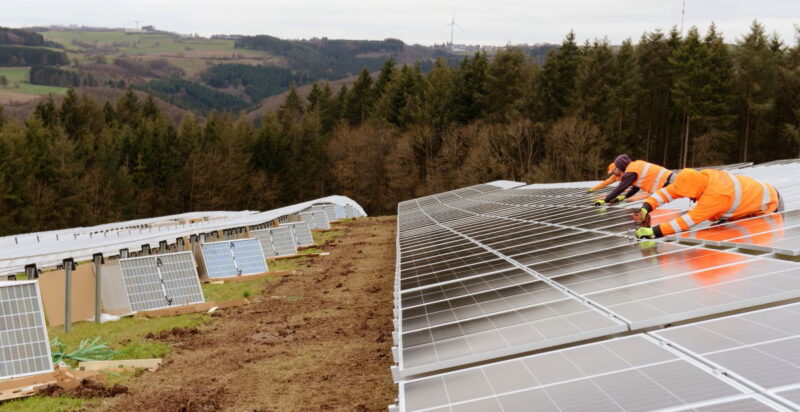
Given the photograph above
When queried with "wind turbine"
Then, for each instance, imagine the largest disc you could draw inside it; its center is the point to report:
(452, 25)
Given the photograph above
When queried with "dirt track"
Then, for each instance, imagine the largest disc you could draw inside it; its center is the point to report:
(317, 340)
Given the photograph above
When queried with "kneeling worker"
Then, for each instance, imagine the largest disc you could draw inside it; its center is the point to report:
(640, 174)
(720, 197)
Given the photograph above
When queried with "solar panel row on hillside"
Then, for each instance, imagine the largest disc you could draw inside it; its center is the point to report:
(485, 274)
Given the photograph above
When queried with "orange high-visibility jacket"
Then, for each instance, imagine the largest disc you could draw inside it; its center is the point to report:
(611, 179)
(640, 175)
(651, 176)
(719, 196)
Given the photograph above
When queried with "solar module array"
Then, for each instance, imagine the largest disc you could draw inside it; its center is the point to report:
(24, 347)
(301, 231)
(230, 258)
(486, 276)
(50, 248)
(276, 242)
(316, 219)
(159, 281)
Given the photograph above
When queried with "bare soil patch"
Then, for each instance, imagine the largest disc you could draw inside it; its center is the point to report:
(316, 340)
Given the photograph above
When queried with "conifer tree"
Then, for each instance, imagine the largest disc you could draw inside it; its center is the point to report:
(557, 79)
(359, 100)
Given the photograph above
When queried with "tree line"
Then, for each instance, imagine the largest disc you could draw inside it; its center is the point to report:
(671, 99)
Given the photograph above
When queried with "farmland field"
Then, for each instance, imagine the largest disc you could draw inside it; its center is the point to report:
(18, 83)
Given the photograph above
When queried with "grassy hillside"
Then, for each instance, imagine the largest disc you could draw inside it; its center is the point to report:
(18, 83)
(199, 74)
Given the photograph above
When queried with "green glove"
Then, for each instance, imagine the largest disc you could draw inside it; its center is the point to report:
(620, 198)
(590, 191)
(600, 202)
(645, 233)
(643, 213)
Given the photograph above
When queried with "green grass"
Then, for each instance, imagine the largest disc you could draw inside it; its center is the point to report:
(142, 43)
(235, 290)
(19, 75)
(42, 404)
(321, 238)
(127, 335)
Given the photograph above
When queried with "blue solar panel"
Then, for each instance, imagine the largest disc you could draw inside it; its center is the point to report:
(233, 258)
(218, 260)
(248, 256)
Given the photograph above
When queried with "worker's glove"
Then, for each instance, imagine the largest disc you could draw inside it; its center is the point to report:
(643, 214)
(600, 202)
(590, 191)
(620, 198)
(645, 233)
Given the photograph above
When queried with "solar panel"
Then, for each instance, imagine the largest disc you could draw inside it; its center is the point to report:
(233, 258)
(339, 212)
(488, 276)
(316, 220)
(759, 348)
(349, 212)
(760, 232)
(692, 295)
(160, 281)
(24, 345)
(283, 241)
(330, 211)
(321, 220)
(264, 237)
(302, 233)
(630, 373)
(308, 217)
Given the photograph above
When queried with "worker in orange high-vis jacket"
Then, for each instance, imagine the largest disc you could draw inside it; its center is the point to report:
(720, 196)
(637, 175)
(611, 179)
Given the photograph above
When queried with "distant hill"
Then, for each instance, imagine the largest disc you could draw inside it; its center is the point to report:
(19, 37)
(224, 73)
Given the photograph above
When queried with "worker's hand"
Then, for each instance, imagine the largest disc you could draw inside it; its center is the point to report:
(600, 202)
(643, 214)
(645, 233)
(620, 198)
(590, 191)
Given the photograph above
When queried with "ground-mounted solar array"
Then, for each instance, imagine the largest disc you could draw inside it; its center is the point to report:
(50, 248)
(301, 232)
(24, 346)
(233, 258)
(317, 219)
(276, 242)
(159, 281)
(501, 289)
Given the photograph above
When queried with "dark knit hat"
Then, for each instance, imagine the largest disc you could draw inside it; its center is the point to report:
(622, 161)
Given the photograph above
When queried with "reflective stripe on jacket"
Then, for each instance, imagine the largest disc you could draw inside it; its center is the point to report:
(651, 176)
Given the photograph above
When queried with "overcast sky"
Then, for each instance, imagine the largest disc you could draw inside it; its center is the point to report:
(496, 22)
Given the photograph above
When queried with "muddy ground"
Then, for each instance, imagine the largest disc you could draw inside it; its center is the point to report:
(316, 340)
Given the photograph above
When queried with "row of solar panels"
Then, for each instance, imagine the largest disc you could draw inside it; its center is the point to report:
(484, 274)
(51, 248)
(141, 283)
